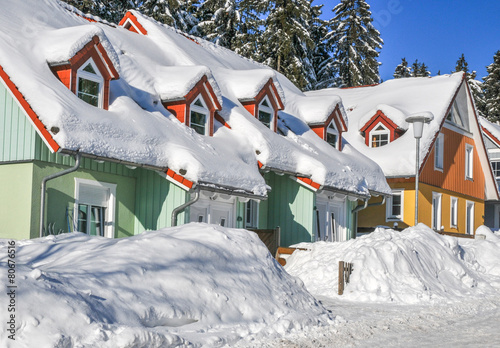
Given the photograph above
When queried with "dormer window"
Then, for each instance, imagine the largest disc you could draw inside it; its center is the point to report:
(332, 135)
(90, 84)
(379, 136)
(454, 116)
(266, 113)
(199, 115)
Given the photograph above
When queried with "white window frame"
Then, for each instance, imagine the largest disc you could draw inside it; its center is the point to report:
(200, 110)
(453, 212)
(439, 153)
(469, 222)
(109, 217)
(437, 211)
(81, 74)
(266, 109)
(252, 214)
(379, 132)
(496, 171)
(332, 131)
(389, 206)
(469, 162)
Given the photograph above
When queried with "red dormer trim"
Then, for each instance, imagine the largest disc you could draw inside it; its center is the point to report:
(39, 126)
(321, 128)
(269, 90)
(379, 117)
(131, 23)
(67, 72)
(180, 108)
(491, 136)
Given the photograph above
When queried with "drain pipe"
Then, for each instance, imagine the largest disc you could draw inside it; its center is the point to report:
(366, 205)
(180, 208)
(44, 185)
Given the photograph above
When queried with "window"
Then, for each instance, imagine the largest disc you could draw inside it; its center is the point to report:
(379, 136)
(436, 211)
(439, 152)
(266, 113)
(199, 114)
(332, 135)
(454, 212)
(455, 117)
(394, 206)
(94, 207)
(469, 218)
(252, 213)
(90, 84)
(469, 161)
(495, 165)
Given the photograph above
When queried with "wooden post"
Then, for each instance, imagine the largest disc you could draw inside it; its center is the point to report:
(341, 277)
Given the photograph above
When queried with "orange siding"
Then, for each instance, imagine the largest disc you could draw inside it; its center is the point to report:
(178, 110)
(63, 73)
(452, 177)
(319, 130)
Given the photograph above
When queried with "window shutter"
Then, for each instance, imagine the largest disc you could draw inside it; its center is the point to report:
(93, 195)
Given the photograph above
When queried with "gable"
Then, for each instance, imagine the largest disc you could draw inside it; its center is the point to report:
(378, 121)
(130, 22)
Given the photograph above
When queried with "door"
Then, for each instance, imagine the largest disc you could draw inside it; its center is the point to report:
(213, 212)
(330, 219)
(322, 229)
(221, 214)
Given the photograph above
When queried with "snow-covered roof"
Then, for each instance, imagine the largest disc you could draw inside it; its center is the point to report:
(492, 128)
(138, 129)
(398, 99)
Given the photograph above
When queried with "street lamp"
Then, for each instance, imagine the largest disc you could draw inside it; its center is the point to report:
(418, 120)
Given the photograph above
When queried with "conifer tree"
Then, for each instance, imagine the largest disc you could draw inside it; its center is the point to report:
(322, 62)
(285, 41)
(250, 29)
(355, 41)
(176, 13)
(491, 87)
(423, 72)
(419, 69)
(402, 70)
(110, 10)
(220, 21)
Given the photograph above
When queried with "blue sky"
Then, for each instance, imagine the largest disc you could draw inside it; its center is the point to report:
(435, 32)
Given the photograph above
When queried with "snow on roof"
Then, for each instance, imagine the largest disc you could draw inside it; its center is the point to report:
(404, 97)
(62, 44)
(394, 114)
(300, 153)
(492, 128)
(136, 128)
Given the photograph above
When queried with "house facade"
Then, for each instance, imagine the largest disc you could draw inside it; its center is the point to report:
(114, 130)
(455, 179)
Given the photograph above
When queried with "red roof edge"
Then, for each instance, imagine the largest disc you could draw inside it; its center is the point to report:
(179, 178)
(309, 182)
(134, 21)
(52, 144)
(221, 120)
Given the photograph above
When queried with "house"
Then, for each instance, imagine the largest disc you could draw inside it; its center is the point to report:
(455, 176)
(113, 130)
(491, 137)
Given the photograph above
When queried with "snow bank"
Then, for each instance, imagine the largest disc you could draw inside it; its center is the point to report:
(411, 266)
(198, 285)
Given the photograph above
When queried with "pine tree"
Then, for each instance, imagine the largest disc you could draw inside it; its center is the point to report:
(419, 69)
(423, 72)
(285, 41)
(110, 10)
(220, 21)
(355, 41)
(176, 13)
(491, 88)
(250, 29)
(402, 70)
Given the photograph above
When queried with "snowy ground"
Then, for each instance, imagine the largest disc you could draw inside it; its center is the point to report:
(206, 286)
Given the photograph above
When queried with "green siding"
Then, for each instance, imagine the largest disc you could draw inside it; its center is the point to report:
(155, 199)
(290, 206)
(60, 197)
(15, 200)
(17, 135)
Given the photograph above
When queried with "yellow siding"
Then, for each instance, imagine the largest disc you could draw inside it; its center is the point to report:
(373, 216)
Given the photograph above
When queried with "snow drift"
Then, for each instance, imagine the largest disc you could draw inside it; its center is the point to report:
(411, 266)
(194, 285)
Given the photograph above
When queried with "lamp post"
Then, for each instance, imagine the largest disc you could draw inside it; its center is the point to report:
(418, 121)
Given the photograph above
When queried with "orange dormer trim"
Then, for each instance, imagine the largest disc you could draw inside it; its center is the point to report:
(379, 117)
(321, 128)
(180, 108)
(131, 23)
(269, 90)
(67, 73)
(39, 126)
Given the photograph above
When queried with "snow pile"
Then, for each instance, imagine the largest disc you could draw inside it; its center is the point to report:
(411, 266)
(192, 285)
